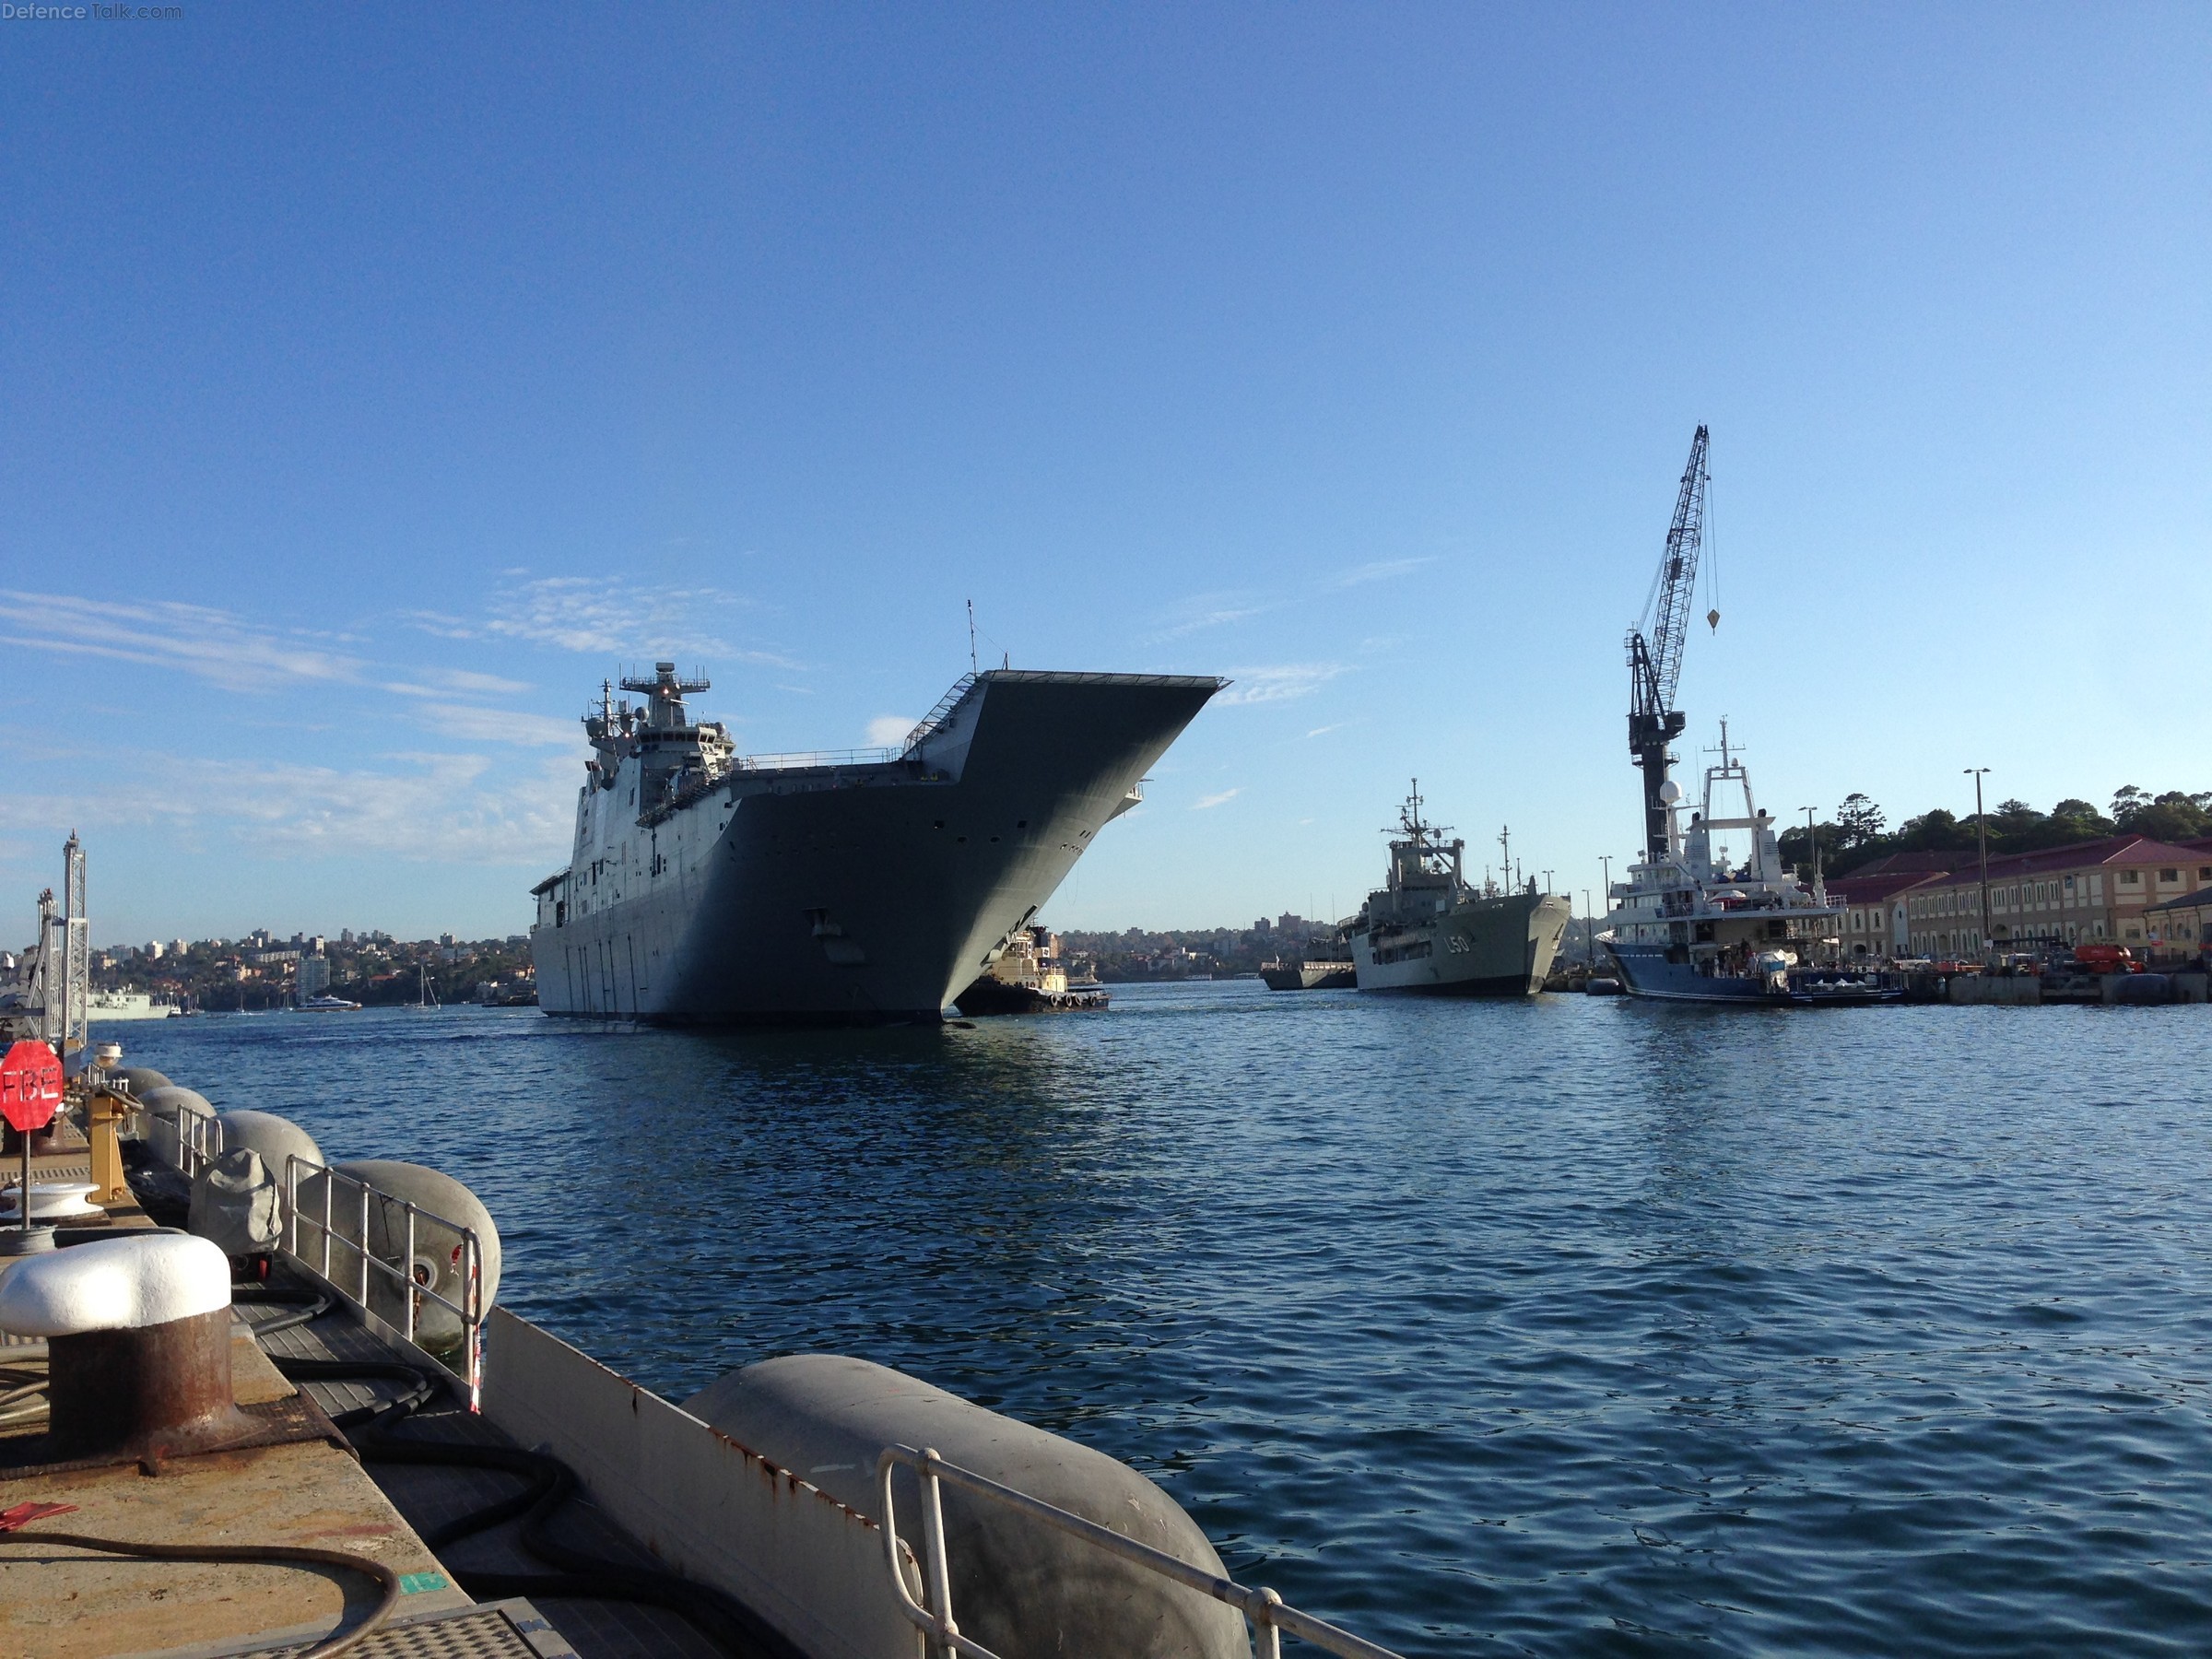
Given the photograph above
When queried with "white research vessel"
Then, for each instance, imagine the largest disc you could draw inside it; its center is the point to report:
(707, 888)
(1429, 931)
(1693, 925)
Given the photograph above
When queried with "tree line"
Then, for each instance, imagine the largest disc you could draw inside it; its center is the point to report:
(1860, 832)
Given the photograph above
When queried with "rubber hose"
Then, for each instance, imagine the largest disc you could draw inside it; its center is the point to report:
(259, 1554)
(722, 1617)
(311, 1305)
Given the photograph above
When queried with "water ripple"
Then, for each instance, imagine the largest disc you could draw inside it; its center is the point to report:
(1569, 1327)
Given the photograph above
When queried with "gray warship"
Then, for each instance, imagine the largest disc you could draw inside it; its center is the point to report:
(1429, 931)
(869, 887)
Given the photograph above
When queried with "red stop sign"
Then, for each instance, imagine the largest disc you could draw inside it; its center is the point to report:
(30, 1086)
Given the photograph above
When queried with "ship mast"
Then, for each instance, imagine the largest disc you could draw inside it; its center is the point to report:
(1655, 660)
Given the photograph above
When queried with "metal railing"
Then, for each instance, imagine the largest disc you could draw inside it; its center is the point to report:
(936, 717)
(411, 1290)
(816, 760)
(1270, 1617)
(193, 1138)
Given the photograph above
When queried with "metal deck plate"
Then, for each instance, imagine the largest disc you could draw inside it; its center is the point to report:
(505, 1629)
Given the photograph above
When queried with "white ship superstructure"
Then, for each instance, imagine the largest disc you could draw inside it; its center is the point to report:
(1697, 924)
(709, 887)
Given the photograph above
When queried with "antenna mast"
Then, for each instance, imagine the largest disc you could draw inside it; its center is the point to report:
(1655, 662)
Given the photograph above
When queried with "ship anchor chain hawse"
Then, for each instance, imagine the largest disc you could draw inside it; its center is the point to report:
(708, 888)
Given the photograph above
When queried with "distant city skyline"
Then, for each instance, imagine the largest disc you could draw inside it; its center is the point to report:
(380, 382)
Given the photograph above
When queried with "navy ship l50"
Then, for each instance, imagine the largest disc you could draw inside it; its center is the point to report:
(707, 888)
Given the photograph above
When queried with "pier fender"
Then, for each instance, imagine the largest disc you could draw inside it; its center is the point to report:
(160, 1105)
(1019, 1588)
(274, 1137)
(163, 1099)
(237, 1205)
(139, 1078)
(438, 1254)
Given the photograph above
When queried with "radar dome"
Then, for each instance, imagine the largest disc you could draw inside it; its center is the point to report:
(1670, 791)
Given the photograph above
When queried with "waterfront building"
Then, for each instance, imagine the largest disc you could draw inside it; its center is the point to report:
(1875, 923)
(2091, 892)
(2180, 929)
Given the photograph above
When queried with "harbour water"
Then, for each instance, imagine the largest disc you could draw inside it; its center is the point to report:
(1572, 1326)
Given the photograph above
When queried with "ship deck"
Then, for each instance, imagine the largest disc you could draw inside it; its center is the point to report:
(61, 1602)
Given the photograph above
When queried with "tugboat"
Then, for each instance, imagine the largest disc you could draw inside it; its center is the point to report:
(1429, 931)
(1026, 976)
(1689, 926)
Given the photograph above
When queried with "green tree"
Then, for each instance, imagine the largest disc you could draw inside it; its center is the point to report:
(2082, 821)
(1859, 821)
(2170, 816)
(1936, 832)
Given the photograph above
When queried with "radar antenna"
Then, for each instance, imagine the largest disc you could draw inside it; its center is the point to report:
(1655, 660)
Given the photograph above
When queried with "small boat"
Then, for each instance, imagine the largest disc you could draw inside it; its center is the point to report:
(1309, 976)
(324, 1004)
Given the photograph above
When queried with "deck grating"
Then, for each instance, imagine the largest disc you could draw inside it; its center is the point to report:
(428, 1497)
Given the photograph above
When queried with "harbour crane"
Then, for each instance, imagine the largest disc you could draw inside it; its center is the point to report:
(1655, 660)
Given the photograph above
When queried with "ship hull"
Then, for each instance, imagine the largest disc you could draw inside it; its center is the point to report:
(1502, 947)
(95, 1014)
(1312, 976)
(857, 894)
(1645, 971)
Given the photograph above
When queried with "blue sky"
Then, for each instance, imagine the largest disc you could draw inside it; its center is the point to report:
(376, 380)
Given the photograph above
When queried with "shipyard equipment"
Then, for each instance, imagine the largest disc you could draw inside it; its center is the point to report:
(1655, 649)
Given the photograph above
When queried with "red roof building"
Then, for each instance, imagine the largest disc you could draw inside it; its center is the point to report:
(2094, 890)
(1874, 921)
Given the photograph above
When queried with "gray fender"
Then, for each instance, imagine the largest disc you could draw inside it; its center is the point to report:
(1019, 1587)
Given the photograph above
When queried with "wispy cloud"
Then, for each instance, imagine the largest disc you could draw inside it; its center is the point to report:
(214, 645)
(1205, 802)
(1202, 611)
(417, 808)
(1380, 570)
(608, 616)
(1324, 731)
(473, 724)
(888, 731)
(1279, 684)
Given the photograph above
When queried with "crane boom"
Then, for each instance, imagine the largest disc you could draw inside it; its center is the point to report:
(1656, 662)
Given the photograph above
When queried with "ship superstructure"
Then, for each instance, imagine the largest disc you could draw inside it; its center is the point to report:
(1697, 924)
(1429, 930)
(711, 888)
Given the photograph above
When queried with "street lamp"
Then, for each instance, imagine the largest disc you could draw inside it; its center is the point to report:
(1982, 834)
